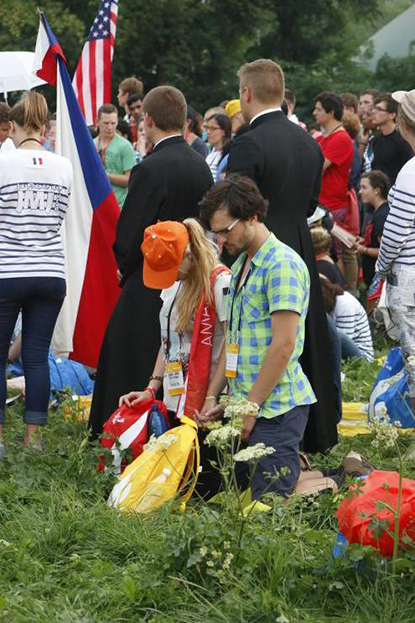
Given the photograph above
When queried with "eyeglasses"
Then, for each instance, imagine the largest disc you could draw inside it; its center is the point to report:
(212, 128)
(225, 232)
(379, 109)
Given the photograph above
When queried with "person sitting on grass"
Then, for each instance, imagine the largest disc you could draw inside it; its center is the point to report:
(322, 245)
(350, 319)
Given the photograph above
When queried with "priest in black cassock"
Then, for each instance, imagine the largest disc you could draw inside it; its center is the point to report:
(286, 164)
(167, 185)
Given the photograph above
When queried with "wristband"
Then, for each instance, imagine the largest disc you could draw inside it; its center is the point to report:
(156, 378)
(152, 392)
(211, 398)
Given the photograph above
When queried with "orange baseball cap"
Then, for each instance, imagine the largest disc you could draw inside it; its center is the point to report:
(163, 248)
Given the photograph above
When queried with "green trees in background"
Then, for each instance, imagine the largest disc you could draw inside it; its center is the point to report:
(198, 45)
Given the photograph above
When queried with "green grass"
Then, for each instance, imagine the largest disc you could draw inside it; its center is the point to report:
(66, 557)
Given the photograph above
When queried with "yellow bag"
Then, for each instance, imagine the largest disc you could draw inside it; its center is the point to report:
(168, 467)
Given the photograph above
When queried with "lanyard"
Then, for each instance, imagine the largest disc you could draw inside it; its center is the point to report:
(168, 326)
(242, 288)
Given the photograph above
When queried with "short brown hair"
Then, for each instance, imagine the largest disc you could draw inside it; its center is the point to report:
(265, 78)
(167, 107)
(30, 112)
(392, 105)
(107, 109)
(351, 123)
(239, 194)
(290, 97)
(132, 86)
(4, 112)
(321, 240)
(350, 101)
(378, 179)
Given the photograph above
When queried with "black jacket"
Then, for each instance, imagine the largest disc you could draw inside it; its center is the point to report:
(167, 185)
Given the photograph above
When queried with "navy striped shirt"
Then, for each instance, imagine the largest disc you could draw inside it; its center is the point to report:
(350, 317)
(35, 187)
(398, 240)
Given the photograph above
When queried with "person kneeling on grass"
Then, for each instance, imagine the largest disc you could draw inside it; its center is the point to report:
(179, 258)
(266, 310)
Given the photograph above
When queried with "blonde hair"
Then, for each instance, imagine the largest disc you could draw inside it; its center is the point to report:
(321, 240)
(203, 261)
(30, 112)
(265, 78)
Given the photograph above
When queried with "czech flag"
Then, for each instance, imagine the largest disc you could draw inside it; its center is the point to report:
(89, 229)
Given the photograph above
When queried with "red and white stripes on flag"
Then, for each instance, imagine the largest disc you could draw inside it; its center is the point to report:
(92, 79)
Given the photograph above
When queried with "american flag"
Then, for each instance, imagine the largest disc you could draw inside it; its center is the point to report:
(92, 79)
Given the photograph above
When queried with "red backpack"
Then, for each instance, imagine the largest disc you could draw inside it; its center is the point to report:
(126, 428)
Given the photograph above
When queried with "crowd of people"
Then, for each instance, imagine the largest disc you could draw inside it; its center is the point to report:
(270, 242)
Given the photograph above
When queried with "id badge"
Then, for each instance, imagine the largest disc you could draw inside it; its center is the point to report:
(232, 351)
(175, 381)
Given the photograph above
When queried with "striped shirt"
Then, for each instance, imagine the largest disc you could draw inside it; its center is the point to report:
(351, 318)
(398, 240)
(35, 186)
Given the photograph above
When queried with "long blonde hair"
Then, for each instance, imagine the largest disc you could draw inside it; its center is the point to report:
(203, 261)
(30, 112)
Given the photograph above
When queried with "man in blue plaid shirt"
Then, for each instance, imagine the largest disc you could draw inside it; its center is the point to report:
(266, 311)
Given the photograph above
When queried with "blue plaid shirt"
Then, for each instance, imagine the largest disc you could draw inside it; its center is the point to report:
(277, 280)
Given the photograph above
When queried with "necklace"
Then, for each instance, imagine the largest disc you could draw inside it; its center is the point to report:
(30, 139)
(333, 130)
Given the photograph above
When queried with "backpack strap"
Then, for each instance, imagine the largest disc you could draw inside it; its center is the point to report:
(193, 465)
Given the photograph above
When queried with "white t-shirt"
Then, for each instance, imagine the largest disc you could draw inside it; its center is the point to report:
(351, 318)
(7, 145)
(180, 345)
(212, 160)
(35, 186)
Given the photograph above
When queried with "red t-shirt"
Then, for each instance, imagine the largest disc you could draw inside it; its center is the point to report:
(338, 148)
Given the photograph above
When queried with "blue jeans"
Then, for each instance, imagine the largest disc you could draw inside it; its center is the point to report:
(349, 348)
(284, 433)
(40, 300)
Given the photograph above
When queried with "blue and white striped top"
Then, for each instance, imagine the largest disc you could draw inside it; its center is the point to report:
(35, 187)
(398, 240)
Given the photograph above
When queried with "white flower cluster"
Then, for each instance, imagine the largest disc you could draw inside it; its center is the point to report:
(239, 408)
(163, 442)
(254, 453)
(221, 436)
(386, 434)
(216, 558)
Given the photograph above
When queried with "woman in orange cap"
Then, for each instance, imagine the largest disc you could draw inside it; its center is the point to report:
(182, 262)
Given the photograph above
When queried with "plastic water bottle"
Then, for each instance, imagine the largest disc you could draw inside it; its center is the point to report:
(154, 491)
(157, 424)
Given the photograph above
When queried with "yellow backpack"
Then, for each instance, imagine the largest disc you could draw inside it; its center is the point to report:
(169, 466)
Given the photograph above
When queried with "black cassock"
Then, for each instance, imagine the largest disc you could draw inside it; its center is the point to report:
(286, 163)
(166, 186)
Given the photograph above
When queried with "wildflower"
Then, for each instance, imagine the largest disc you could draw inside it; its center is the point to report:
(385, 434)
(210, 563)
(239, 408)
(226, 545)
(227, 561)
(203, 551)
(254, 453)
(215, 554)
(221, 436)
(164, 442)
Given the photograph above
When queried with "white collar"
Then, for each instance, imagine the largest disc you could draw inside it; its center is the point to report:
(165, 139)
(265, 112)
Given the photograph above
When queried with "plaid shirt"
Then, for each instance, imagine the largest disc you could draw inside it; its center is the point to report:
(277, 280)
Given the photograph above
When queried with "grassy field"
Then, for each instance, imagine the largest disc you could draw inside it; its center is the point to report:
(66, 557)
